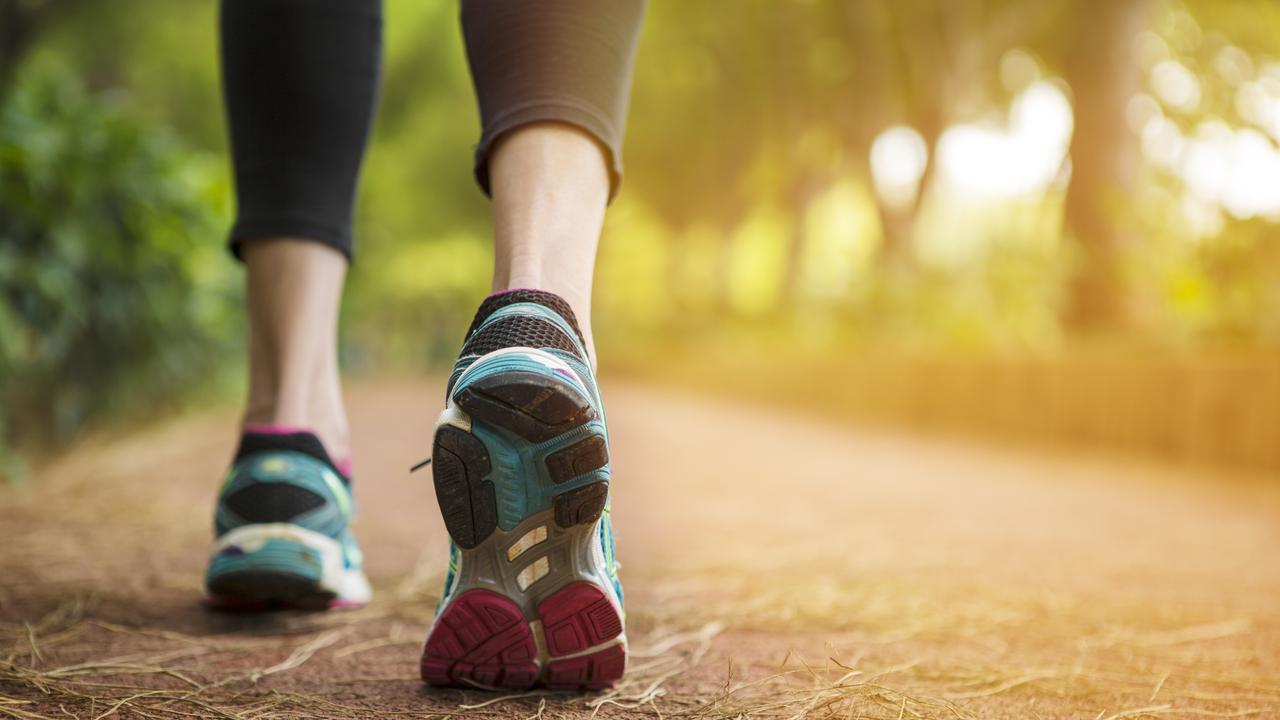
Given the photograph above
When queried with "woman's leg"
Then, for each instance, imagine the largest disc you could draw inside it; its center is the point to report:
(553, 81)
(521, 454)
(294, 288)
(550, 188)
(300, 81)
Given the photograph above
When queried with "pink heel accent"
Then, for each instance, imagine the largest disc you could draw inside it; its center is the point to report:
(496, 293)
(273, 429)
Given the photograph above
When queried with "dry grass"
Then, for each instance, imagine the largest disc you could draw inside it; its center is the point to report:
(176, 675)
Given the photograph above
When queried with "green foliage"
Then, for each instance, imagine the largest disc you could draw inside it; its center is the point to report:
(115, 294)
(423, 253)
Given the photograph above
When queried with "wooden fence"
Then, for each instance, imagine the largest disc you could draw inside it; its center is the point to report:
(1219, 411)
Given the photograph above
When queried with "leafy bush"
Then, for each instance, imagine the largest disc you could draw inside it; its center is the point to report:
(116, 294)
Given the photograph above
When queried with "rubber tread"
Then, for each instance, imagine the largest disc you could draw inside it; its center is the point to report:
(460, 468)
(582, 457)
(580, 505)
(534, 406)
(574, 619)
(481, 639)
(578, 617)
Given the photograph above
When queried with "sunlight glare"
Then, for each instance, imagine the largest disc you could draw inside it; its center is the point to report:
(1162, 141)
(1150, 49)
(979, 160)
(1177, 86)
(898, 158)
(1018, 69)
(1233, 65)
(1140, 111)
(1258, 102)
(842, 230)
(1235, 169)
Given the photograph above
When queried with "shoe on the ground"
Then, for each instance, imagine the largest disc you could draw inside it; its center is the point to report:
(521, 470)
(282, 525)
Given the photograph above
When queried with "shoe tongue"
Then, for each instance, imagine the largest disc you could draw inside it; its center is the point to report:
(499, 300)
(260, 438)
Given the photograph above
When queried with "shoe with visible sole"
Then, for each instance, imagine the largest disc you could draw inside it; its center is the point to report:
(282, 525)
(521, 470)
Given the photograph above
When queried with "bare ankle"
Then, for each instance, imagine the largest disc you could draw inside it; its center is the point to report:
(294, 289)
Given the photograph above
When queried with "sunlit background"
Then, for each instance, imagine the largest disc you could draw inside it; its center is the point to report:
(1048, 221)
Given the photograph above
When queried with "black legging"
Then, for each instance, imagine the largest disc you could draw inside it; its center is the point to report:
(301, 77)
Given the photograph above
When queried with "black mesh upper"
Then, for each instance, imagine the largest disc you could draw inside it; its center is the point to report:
(493, 303)
(272, 502)
(519, 331)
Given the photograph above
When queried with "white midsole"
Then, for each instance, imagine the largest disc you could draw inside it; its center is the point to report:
(348, 584)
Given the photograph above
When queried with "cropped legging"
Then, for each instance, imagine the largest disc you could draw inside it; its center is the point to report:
(300, 79)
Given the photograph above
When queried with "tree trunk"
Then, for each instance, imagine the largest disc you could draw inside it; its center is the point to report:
(803, 193)
(1103, 74)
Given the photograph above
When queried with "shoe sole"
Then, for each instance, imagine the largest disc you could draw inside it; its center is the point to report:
(520, 472)
(273, 566)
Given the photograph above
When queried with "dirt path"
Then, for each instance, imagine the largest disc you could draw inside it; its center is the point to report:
(775, 567)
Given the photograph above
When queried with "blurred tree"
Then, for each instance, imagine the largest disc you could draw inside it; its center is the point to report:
(1103, 73)
(111, 297)
(921, 91)
(694, 130)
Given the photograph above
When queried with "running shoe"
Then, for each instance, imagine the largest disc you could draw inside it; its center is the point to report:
(521, 470)
(282, 526)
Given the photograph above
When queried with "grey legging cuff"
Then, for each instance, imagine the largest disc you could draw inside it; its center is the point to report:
(562, 61)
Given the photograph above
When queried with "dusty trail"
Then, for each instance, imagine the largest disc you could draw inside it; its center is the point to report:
(775, 567)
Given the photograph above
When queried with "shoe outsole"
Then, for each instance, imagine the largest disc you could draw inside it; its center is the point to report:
(261, 590)
(460, 467)
(523, 620)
